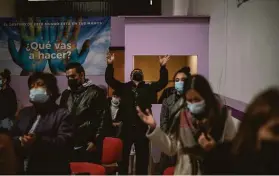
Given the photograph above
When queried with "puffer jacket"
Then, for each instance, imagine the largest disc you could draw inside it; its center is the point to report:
(90, 109)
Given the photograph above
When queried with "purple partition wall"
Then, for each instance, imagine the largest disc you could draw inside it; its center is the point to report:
(173, 36)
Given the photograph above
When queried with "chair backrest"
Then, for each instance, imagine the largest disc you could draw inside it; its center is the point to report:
(112, 150)
(90, 168)
(169, 171)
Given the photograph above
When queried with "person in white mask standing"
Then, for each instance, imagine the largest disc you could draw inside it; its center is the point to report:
(199, 123)
(115, 111)
(43, 132)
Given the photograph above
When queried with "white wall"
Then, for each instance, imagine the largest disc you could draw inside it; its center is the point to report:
(244, 47)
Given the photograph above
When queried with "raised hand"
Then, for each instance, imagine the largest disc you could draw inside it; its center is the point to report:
(163, 60)
(65, 44)
(27, 57)
(110, 58)
(146, 118)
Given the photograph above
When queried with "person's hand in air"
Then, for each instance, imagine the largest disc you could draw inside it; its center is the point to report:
(110, 58)
(163, 60)
(28, 56)
(63, 39)
(206, 142)
(147, 117)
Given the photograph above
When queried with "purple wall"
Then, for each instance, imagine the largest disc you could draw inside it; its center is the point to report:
(117, 31)
(160, 36)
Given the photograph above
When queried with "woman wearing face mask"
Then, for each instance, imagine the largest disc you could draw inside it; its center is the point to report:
(42, 135)
(169, 98)
(198, 124)
(8, 101)
(255, 148)
(180, 77)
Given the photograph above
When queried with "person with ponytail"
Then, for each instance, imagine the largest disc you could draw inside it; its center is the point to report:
(168, 100)
(8, 101)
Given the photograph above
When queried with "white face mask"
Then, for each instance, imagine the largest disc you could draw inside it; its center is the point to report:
(38, 95)
(196, 108)
(115, 101)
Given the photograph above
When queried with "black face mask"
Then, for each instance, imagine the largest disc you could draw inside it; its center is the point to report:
(73, 84)
(137, 76)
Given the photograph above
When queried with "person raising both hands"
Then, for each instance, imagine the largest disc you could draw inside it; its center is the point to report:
(135, 93)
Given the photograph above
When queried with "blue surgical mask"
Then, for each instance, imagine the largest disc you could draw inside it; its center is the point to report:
(38, 95)
(179, 86)
(196, 108)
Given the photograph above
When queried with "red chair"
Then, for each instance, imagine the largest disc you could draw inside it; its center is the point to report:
(112, 153)
(169, 171)
(90, 168)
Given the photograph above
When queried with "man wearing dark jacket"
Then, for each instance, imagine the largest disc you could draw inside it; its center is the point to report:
(88, 104)
(136, 93)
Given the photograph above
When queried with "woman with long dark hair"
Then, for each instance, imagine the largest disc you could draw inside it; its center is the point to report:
(8, 101)
(168, 100)
(199, 123)
(255, 148)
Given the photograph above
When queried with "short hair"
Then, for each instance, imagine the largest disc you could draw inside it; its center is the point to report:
(136, 69)
(50, 82)
(6, 74)
(79, 68)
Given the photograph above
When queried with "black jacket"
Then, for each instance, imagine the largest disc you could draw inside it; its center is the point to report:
(165, 116)
(166, 93)
(132, 96)
(90, 110)
(8, 103)
(52, 148)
